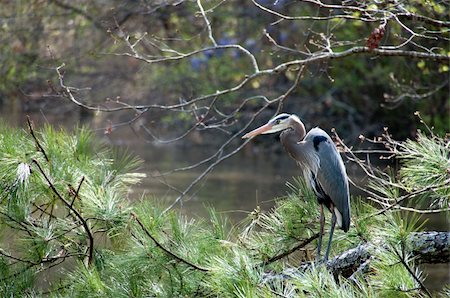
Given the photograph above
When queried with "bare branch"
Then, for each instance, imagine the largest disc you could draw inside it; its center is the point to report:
(208, 24)
(291, 251)
(219, 159)
(315, 18)
(219, 152)
(369, 13)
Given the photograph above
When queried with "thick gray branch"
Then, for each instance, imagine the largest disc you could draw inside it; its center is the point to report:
(432, 247)
(427, 247)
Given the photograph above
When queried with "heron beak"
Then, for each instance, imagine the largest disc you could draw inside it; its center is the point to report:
(260, 130)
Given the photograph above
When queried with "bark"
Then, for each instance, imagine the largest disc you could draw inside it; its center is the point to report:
(432, 247)
(427, 247)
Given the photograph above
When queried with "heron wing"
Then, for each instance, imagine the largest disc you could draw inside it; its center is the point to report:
(331, 174)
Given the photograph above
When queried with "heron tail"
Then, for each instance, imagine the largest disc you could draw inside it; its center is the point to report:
(346, 220)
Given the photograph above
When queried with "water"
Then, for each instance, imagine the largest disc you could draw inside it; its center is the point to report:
(236, 186)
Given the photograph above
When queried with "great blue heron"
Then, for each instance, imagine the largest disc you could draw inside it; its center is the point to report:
(322, 168)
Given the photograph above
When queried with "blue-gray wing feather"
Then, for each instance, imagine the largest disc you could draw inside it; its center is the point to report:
(331, 173)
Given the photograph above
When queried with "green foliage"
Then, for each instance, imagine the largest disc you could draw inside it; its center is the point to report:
(270, 233)
(425, 164)
(387, 186)
(398, 228)
(318, 282)
(365, 224)
(141, 251)
(421, 181)
(87, 282)
(85, 175)
(235, 275)
(17, 286)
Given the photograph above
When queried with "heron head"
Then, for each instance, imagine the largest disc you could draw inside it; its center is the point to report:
(276, 124)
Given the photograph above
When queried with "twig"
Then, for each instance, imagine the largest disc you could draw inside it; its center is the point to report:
(219, 152)
(15, 258)
(30, 126)
(75, 195)
(43, 211)
(219, 159)
(163, 248)
(290, 251)
(369, 14)
(401, 199)
(362, 50)
(315, 18)
(208, 24)
(426, 211)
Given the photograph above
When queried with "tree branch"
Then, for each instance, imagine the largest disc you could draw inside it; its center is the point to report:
(30, 126)
(71, 208)
(290, 251)
(362, 50)
(168, 252)
(427, 247)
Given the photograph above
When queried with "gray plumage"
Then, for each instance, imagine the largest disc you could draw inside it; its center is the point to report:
(321, 164)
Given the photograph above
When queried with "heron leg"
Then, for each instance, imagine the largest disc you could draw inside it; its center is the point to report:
(333, 223)
(322, 224)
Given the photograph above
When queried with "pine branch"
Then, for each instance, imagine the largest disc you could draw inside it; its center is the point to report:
(416, 278)
(71, 208)
(168, 252)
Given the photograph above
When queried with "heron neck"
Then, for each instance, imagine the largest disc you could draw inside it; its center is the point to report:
(291, 139)
(296, 133)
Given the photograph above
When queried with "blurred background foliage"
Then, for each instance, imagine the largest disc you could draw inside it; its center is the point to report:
(360, 93)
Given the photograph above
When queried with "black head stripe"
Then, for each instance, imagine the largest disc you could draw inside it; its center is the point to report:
(280, 118)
